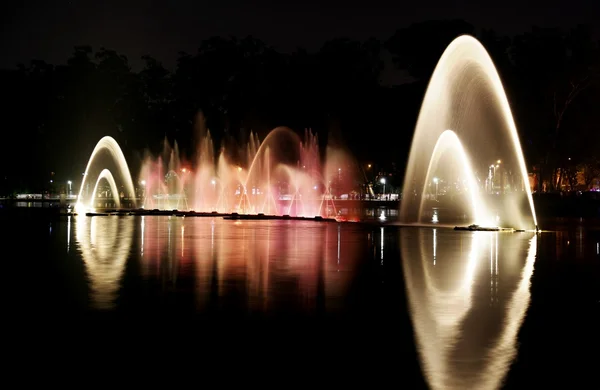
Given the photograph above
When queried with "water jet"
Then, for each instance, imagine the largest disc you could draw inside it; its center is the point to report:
(466, 138)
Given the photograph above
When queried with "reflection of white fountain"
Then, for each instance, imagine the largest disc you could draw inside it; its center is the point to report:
(464, 342)
(105, 245)
(465, 122)
(96, 171)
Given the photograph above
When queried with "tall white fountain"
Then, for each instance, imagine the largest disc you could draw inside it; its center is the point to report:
(107, 154)
(466, 159)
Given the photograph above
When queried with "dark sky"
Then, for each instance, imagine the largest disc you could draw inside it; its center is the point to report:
(48, 30)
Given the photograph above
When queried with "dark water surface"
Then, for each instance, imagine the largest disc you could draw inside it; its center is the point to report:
(348, 303)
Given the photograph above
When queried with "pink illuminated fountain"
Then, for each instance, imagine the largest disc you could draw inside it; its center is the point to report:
(282, 175)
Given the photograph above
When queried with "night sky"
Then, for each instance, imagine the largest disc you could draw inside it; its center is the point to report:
(48, 30)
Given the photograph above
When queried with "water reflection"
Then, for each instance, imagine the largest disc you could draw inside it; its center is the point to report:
(68, 233)
(252, 266)
(466, 332)
(105, 245)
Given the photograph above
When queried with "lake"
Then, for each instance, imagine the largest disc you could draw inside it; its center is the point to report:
(425, 307)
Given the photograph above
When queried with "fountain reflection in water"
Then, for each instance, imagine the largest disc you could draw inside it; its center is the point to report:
(466, 149)
(105, 245)
(466, 326)
(257, 266)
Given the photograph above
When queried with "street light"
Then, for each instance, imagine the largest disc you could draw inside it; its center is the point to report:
(69, 183)
(382, 181)
(436, 181)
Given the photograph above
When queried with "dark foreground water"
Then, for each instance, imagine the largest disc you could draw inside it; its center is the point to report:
(287, 302)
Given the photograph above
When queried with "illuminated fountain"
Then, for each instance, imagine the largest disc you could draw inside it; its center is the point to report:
(467, 300)
(466, 161)
(107, 154)
(282, 175)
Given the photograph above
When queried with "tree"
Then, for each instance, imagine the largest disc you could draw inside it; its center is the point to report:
(556, 68)
(589, 170)
(418, 48)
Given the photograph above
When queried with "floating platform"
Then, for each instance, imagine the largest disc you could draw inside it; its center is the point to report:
(260, 217)
(227, 216)
(477, 228)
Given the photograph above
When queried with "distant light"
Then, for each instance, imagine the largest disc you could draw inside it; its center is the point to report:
(315, 187)
(382, 181)
(183, 170)
(143, 182)
(239, 169)
(369, 166)
(51, 181)
(499, 161)
(213, 182)
(435, 180)
(69, 182)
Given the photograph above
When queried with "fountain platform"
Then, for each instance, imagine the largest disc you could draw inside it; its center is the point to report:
(477, 228)
(260, 216)
(228, 216)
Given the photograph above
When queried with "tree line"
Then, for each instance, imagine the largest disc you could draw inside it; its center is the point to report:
(55, 113)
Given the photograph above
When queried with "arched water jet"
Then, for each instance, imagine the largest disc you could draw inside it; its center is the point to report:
(275, 132)
(111, 146)
(465, 94)
(107, 175)
(448, 141)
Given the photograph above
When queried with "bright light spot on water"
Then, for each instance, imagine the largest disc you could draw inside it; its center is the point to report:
(598, 248)
(68, 233)
(339, 241)
(382, 216)
(434, 245)
(382, 246)
(142, 250)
